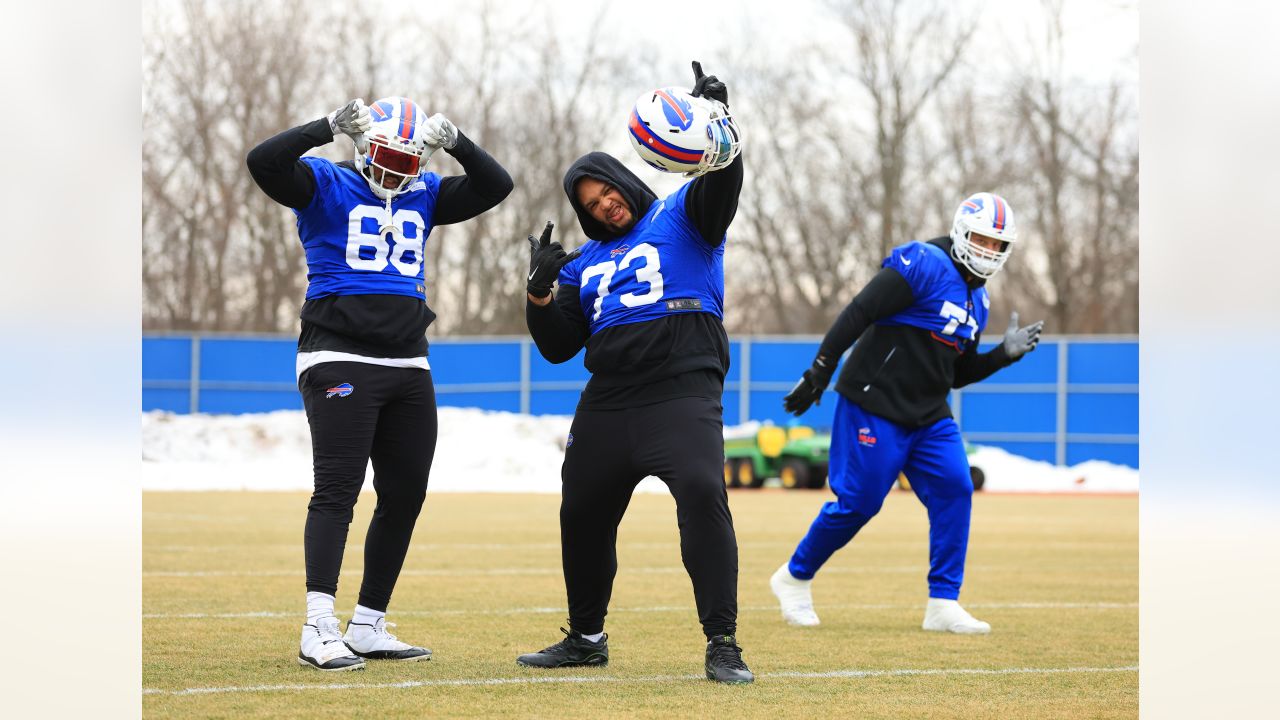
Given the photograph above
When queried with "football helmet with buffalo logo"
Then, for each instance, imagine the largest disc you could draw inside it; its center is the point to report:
(394, 149)
(674, 131)
(985, 214)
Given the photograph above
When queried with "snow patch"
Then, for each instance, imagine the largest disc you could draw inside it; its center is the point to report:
(476, 451)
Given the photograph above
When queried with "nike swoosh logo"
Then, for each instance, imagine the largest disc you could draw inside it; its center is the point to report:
(530, 276)
(906, 261)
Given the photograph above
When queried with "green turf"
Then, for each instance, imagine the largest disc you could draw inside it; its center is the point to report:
(482, 584)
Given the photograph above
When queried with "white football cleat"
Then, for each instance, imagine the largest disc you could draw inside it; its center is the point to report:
(795, 597)
(947, 616)
(374, 642)
(323, 649)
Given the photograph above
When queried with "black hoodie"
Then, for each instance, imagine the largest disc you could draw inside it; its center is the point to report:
(901, 372)
(680, 355)
(606, 168)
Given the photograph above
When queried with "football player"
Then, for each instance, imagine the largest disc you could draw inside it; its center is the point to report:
(362, 353)
(917, 323)
(644, 295)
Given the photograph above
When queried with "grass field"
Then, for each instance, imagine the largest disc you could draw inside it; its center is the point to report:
(1057, 578)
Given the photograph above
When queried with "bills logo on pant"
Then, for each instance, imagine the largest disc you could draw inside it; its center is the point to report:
(342, 390)
(866, 438)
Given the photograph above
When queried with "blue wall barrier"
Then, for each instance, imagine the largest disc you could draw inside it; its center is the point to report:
(1073, 399)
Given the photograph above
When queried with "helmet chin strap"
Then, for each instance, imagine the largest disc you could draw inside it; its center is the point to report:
(387, 194)
(388, 226)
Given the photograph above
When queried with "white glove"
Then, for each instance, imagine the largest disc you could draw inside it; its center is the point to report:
(438, 132)
(351, 119)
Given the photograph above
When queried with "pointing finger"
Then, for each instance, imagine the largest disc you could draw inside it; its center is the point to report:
(546, 233)
(697, 71)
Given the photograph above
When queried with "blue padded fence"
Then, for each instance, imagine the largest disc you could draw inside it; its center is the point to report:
(1074, 399)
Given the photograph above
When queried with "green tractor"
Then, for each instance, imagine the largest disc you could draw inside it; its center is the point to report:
(797, 456)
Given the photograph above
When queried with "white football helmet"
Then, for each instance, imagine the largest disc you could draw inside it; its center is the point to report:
(676, 132)
(394, 148)
(985, 214)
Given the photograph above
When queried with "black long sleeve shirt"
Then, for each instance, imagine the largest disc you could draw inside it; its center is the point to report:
(680, 355)
(901, 372)
(390, 326)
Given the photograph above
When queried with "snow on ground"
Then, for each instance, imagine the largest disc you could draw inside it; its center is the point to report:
(477, 451)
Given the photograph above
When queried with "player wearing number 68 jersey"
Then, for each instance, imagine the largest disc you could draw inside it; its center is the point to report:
(362, 353)
(917, 325)
(644, 295)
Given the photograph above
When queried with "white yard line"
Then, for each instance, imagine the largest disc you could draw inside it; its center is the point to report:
(484, 572)
(490, 572)
(655, 609)
(672, 545)
(574, 679)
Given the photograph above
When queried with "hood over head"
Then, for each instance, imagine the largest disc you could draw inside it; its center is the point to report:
(607, 169)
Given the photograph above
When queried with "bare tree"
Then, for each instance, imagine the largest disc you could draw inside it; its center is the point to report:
(905, 53)
(887, 133)
(1082, 156)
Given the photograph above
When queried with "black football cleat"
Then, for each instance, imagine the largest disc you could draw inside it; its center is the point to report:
(724, 661)
(573, 651)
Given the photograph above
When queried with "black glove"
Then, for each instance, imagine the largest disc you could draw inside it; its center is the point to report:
(545, 260)
(1020, 341)
(810, 386)
(708, 85)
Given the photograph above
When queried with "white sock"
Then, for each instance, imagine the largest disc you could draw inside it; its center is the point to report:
(593, 638)
(366, 616)
(319, 605)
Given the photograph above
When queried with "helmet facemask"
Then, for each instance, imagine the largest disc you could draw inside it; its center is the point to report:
(724, 142)
(387, 158)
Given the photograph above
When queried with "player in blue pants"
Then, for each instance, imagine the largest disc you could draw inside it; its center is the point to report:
(917, 323)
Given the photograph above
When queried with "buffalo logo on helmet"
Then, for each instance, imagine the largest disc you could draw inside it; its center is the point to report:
(678, 111)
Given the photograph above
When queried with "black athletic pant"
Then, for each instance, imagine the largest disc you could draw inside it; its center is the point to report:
(389, 417)
(680, 441)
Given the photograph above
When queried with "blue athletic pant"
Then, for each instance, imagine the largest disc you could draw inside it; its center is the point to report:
(867, 453)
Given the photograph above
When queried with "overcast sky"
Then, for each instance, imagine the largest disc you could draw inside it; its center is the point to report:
(1101, 35)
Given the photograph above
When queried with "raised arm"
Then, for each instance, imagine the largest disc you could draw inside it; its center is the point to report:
(712, 199)
(276, 164)
(485, 184)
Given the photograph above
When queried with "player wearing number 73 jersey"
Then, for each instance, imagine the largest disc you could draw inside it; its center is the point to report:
(644, 296)
(362, 354)
(917, 326)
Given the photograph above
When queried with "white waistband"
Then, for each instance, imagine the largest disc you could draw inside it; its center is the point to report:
(310, 359)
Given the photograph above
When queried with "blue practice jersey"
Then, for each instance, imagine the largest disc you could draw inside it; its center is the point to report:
(663, 266)
(944, 304)
(346, 254)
